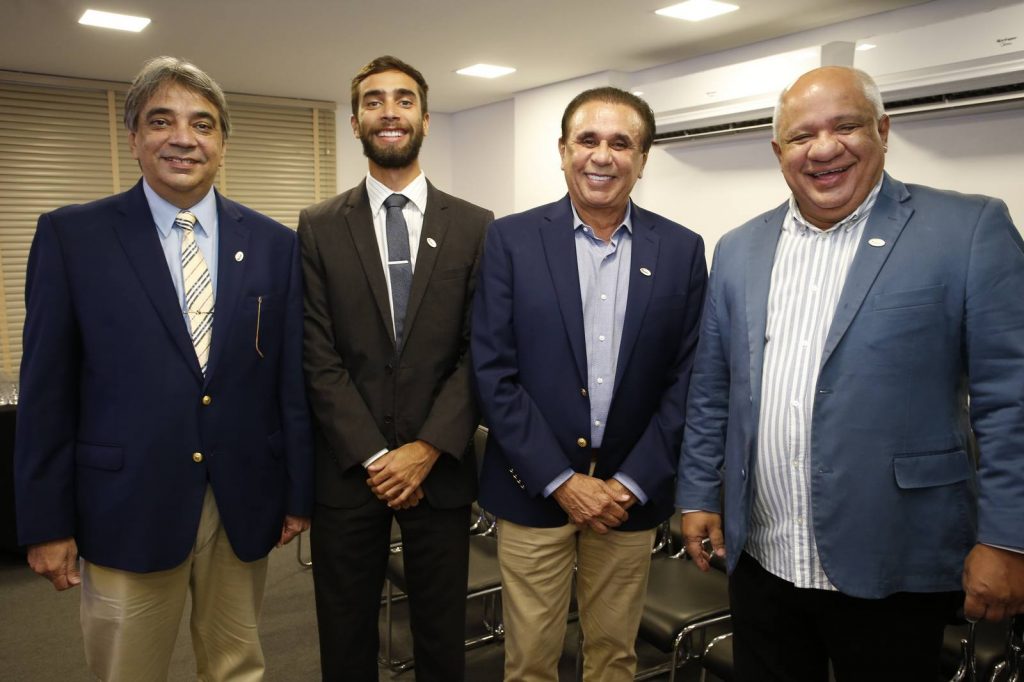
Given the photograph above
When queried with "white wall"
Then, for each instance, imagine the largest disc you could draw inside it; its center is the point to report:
(484, 142)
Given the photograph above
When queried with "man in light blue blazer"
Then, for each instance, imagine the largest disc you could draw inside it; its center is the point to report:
(859, 392)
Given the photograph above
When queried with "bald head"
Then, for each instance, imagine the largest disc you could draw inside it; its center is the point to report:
(841, 76)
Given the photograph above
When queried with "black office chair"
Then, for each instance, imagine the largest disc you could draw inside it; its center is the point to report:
(985, 651)
(684, 605)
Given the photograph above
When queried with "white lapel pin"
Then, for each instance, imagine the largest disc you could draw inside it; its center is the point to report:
(645, 272)
(239, 256)
(875, 241)
(431, 243)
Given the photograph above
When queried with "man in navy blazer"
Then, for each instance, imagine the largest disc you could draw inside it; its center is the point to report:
(584, 328)
(859, 392)
(169, 465)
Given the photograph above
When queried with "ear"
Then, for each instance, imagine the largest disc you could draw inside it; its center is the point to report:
(643, 164)
(355, 125)
(561, 153)
(777, 149)
(883, 128)
(426, 124)
(132, 146)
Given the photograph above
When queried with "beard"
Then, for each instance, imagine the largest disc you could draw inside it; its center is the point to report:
(392, 156)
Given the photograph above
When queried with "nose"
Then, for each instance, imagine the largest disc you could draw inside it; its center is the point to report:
(182, 135)
(825, 147)
(602, 153)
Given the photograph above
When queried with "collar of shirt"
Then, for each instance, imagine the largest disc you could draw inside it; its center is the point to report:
(627, 222)
(796, 223)
(415, 192)
(164, 212)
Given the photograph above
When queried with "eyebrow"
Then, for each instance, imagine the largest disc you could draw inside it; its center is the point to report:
(164, 111)
(614, 137)
(380, 92)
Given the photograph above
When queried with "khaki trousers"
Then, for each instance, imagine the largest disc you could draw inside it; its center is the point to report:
(536, 575)
(130, 620)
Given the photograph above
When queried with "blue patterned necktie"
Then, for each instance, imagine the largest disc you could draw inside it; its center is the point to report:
(198, 288)
(399, 261)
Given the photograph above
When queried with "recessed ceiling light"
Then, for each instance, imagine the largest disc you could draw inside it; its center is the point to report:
(638, 93)
(697, 10)
(122, 22)
(863, 47)
(485, 71)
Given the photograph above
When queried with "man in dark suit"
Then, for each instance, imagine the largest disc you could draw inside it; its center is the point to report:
(390, 269)
(163, 438)
(584, 329)
(859, 392)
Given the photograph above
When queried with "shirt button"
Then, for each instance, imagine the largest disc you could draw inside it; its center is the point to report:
(600, 380)
(795, 403)
(604, 297)
(197, 457)
(207, 400)
(581, 442)
(601, 337)
(597, 422)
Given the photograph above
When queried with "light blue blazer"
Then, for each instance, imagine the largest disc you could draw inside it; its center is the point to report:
(906, 472)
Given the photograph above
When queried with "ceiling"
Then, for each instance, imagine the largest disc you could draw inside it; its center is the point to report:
(311, 48)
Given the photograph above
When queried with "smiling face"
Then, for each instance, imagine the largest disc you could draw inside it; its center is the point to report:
(179, 144)
(390, 121)
(831, 144)
(602, 160)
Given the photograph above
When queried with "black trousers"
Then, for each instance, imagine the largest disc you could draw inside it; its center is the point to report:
(350, 554)
(787, 634)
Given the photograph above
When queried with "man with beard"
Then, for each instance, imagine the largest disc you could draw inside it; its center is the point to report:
(390, 269)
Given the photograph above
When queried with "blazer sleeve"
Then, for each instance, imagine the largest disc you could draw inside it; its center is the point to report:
(44, 454)
(294, 406)
(707, 407)
(520, 428)
(344, 419)
(453, 415)
(994, 340)
(654, 457)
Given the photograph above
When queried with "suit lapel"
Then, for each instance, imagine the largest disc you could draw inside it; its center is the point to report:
(359, 221)
(435, 227)
(138, 236)
(644, 256)
(759, 262)
(888, 218)
(233, 238)
(559, 242)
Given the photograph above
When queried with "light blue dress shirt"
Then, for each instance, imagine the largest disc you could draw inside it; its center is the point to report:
(603, 269)
(206, 230)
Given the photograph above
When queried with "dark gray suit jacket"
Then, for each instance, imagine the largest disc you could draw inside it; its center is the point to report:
(364, 398)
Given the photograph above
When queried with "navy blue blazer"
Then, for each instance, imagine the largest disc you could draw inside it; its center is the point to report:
(932, 312)
(529, 357)
(119, 433)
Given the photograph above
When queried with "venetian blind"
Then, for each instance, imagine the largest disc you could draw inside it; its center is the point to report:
(62, 141)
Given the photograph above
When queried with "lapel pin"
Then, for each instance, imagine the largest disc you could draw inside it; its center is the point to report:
(239, 256)
(431, 243)
(645, 272)
(875, 241)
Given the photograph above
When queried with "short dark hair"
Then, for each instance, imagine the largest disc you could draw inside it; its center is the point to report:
(613, 95)
(388, 63)
(160, 71)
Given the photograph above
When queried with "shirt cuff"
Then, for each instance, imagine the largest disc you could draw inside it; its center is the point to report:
(1008, 549)
(632, 486)
(374, 457)
(558, 480)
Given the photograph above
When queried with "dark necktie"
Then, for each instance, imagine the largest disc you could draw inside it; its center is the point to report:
(399, 262)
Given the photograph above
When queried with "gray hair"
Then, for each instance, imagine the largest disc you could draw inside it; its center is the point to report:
(868, 87)
(157, 73)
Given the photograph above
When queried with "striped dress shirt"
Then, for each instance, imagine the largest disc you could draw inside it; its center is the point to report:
(806, 282)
